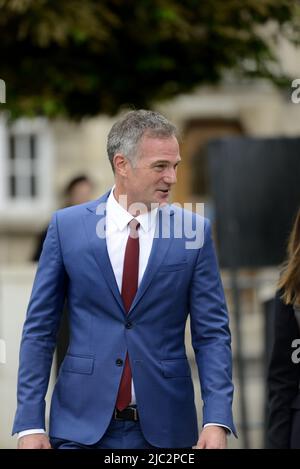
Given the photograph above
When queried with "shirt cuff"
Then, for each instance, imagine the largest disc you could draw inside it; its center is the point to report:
(30, 432)
(219, 425)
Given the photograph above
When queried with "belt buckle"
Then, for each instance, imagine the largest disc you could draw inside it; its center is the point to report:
(116, 415)
(132, 409)
(135, 414)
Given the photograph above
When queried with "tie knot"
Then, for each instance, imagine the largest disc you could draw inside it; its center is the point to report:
(134, 226)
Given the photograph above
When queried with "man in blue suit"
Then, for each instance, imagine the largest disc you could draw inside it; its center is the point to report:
(131, 268)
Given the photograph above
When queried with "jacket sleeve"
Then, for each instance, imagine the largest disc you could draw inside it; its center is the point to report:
(283, 376)
(211, 336)
(39, 333)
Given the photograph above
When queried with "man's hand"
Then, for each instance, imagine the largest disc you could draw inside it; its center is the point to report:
(212, 437)
(35, 441)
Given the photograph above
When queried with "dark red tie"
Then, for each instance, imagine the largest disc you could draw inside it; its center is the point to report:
(129, 288)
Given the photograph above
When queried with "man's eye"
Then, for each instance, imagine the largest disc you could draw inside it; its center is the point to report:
(160, 166)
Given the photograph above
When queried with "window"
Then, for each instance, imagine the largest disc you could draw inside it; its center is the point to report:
(26, 159)
(22, 166)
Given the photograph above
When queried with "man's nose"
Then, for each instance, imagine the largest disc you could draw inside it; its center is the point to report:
(170, 176)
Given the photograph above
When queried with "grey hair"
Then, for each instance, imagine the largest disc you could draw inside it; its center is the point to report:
(127, 132)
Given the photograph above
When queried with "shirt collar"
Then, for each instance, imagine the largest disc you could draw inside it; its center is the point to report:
(120, 217)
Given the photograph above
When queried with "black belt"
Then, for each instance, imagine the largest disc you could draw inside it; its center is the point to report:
(129, 413)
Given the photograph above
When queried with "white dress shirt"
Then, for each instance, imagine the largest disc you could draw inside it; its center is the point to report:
(117, 232)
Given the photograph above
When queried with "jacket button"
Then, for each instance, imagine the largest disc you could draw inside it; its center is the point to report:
(119, 362)
(128, 325)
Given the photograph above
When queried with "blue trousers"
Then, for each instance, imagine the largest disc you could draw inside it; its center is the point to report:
(120, 434)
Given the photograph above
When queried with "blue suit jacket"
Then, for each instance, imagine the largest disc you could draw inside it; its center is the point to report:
(74, 264)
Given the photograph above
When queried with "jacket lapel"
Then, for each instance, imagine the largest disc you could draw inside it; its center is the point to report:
(161, 243)
(94, 222)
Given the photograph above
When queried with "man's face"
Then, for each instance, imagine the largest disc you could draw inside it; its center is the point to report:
(154, 172)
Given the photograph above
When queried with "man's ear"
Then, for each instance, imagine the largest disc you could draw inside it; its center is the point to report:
(120, 164)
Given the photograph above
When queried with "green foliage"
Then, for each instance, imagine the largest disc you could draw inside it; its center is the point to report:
(78, 58)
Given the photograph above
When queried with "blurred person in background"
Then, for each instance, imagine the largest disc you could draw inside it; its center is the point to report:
(130, 283)
(78, 191)
(283, 427)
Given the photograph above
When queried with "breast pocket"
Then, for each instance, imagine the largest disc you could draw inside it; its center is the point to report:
(173, 267)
